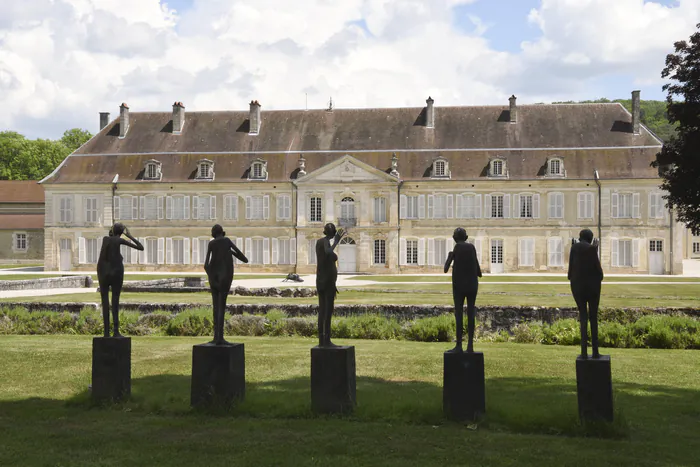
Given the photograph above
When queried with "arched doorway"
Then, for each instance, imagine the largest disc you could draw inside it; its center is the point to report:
(347, 255)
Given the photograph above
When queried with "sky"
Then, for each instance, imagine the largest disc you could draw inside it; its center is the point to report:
(64, 61)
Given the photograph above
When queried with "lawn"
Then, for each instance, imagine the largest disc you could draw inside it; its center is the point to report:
(531, 408)
(533, 278)
(132, 277)
(16, 266)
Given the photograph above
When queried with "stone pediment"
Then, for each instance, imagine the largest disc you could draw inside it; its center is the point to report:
(347, 169)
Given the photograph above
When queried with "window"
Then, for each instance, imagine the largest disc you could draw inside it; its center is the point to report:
(347, 210)
(256, 251)
(92, 250)
(20, 243)
(315, 209)
(468, 206)
(656, 245)
(439, 251)
(127, 253)
(412, 252)
(151, 253)
(657, 206)
(585, 205)
(624, 251)
(258, 170)
(91, 210)
(440, 168)
(284, 255)
(525, 206)
(439, 210)
(556, 205)
(257, 207)
(202, 246)
(312, 251)
(555, 251)
(498, 168)
(379, 251)
(379, 210)
(205, 169)
(152, 171)
(178, 251)
(284, 207)
(65, 209)
(126, 207)
(204, 207)
(624, 205)
(526, 252)
(152, 207)
(696, 248)
(231, 207)
(177, 207)
(555, 167)
(497, 206)
(411, 207)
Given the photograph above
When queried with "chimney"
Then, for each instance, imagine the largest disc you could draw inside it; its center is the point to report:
(513, 109)
(104, 120)
(123, 119)
(635, 113)
(302, 165)
(429, 113)
(178, 117)
(254, 118)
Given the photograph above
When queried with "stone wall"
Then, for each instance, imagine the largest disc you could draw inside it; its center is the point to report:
(67, 282)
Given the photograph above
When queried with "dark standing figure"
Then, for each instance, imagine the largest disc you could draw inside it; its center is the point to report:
(110, 272)
(465, 284)
(586, 274)
(219, 267)
(326, 276)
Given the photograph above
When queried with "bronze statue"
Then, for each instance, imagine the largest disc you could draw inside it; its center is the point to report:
(586, 275)
(465, 284)
(326, 277)
(219, 267)
(110, 272)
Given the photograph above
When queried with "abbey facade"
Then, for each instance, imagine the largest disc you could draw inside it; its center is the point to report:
(522, 180)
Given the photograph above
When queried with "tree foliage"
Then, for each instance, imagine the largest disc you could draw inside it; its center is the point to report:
(27, 159)
(679, 159)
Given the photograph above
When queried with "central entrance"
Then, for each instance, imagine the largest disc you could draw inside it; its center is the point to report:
(65, 254)
(496, 256)
(347, 255)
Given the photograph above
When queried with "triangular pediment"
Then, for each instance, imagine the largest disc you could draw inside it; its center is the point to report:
(347, 169)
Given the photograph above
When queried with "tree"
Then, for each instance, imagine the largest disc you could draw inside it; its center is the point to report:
(73, 139)
(679, 159)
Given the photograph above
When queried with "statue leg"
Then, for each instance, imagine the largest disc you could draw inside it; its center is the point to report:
(583, 318)
(593, 311)
(215, 305)
(116, 291)
(471, 320)
(104, 293)
(458, 298)
(321, 320)
(330, 303)
(221, 311)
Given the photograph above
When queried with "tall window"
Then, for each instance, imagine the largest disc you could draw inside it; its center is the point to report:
(379, 251)
(128, 207)
(412, 207)
(624, 251)
(440, 207)
(150, 207)
(623, 207)
(91, 209)
(556, 205)
(203, 245)
(179, 207)
(525, 206)
(585, 205)
(527, 252)
(496, 205)
(151, 248)
(178, 251)
(284, 207)
(696, 248)
(347, 208)
(555, 251)
(657, 206)
(315, 209)
(497, 167)
(312, 251)
(20, 243)
(283, 252)
(379, 210)
(126, 254)
(231, 207)
(468, 206)
(65, 209)
(92, 251)
(256, 253)
(440, 252)
(257, 204)
(204, 205)
(412, 252)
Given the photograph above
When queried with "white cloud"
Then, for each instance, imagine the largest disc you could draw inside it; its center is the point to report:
(62, 61)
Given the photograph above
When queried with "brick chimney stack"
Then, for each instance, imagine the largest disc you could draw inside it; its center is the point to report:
(429, 113)
(636, 120)
(178, 117)
(254, 118)
(513, 109)
(123, 119)
(104, 120)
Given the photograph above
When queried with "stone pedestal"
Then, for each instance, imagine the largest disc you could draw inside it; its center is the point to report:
(218, 375)
(594, 388)
(333, 379)
(111, 368)
(463, 390)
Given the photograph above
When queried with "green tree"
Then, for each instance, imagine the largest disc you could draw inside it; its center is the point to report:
(679, 159)
(25, 159)
(74, 138)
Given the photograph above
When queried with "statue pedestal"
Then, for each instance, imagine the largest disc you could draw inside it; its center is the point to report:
(464, 390)
(111, 368)
(333, 379)
(218, 375)
(594, 388)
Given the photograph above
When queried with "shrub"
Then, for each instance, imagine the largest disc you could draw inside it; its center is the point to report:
(245, 325)
(196, 322)
(562, 332)
(433, 329)
(528, 333)
(369, 326)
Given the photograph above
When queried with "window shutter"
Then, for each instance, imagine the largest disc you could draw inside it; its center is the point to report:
(403, 208)
(227, 207)
(560, 205)
(551, 201)
(70, 209)
(14, 241)
(516, 206)
(186, 250)
(160, 207)
(134, 207)
(506, 206)
(195, 207)
(421, 251)
(161, 250)
(266, 207)
(635, 205)
(266, 250)
(134, 255)
(280, 210)
(487, 206)
(431, 251)
(615, 252)
(551, 250)
(431, 201)
(212, 207)
(635, 251)
(450, 207)
(275, 248)
(477, 245)
(581, 202)
(142, 254)
(459, 209)
(652, 205)
(421, 206)
(614, 205)
(168, 207)
(195, 251)
(240, 245)
(248, 207)
(536, 205)
(402, 252)
(234, 211)
(116, 214)
(521, 251)
(81, 250)
(169, 250)
(249, 248)
(187, 207)
(142, 207)
(293, 250)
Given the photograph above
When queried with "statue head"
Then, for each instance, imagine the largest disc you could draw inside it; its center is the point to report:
(460, 235)
(217, 231)
(586, 235)
(329, 229)
(117, 230)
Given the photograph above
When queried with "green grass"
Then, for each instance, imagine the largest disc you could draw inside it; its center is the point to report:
(15, 266)
(533, 278)
(22, 277)
(531, 417)
(130, 277)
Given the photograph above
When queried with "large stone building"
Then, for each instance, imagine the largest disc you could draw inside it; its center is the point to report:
(523, 180)
(21, 222)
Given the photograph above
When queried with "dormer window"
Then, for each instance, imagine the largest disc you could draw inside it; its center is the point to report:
(258, 170)
(555, 167)
(497, 168)
(152, 170)
(441, 168)
(205, 170)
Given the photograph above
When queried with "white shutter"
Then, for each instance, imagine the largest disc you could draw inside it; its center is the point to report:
(431, 206)
(212, 207)
(506, 206)
(266, 207)
(581, 202)
(134, 207)
(187, 207)
(195, 251)
(168, 207)
(248, 207)
(293, 250)
(477, 206)
(160, 207)
(431, 251)
(186, 250)
(266, 250)
(614, 205)
(169, 250)
(477, 245)
(516, 206)
(403, 208)
(142, 207)
(81, 250)
(402, 252)
(589, 204)
(134, 254)
(521, 251)
(249, 248)
(142, 254)
(239, 244)
(115, 215)
(421, 251)
(652, 205)
(195, 207)
(551, 202)
(227, 208)
(536, 205)
(615, 252)
(487, 206)
(275, 248)
(551, 251)
(450, 207)
(635, 251)
(459, 214)
(161, 250)
(421, 206)
(635, 205)
(280, 211)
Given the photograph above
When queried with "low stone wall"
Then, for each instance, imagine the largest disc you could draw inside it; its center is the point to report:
(66, 282)
(147, 286)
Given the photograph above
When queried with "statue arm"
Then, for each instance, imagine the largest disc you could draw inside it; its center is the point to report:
(571, 262)
(478, 267)
(450, 258)
(136, 245)
(238, 253)
(207, 260)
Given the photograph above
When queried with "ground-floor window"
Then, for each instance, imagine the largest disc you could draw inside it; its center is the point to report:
(92, 250)
(20, 242)
(656, 245)
(624, 251)
(127, 254)
(178, 251)
(380, 251)
(696, 248)
(283, 252)
(312, 251)
(411, 251)
(439, 251)
(256, 251)
(151, 253)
